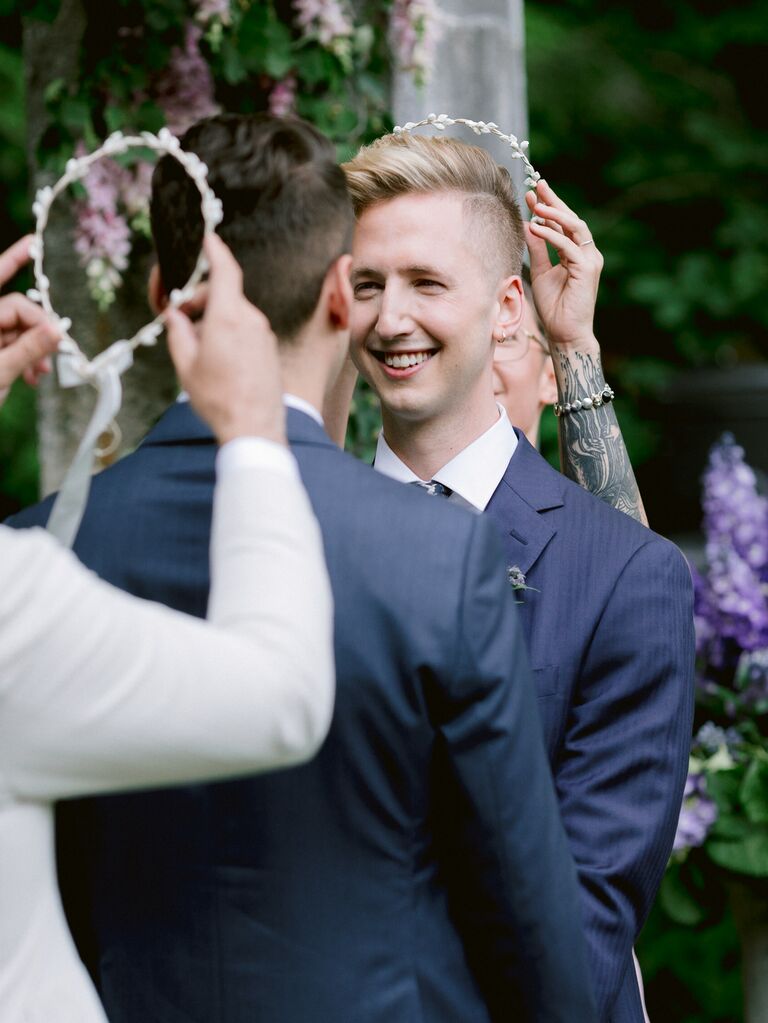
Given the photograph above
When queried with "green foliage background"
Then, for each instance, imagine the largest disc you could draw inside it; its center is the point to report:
(648, 119)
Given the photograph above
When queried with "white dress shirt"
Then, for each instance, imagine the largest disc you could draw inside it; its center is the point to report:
(100, 691)
(473, 475)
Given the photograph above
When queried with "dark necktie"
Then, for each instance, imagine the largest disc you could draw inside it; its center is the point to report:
(433, 488)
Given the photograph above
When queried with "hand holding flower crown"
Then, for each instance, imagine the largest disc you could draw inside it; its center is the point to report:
(565, 294)
(27, 336)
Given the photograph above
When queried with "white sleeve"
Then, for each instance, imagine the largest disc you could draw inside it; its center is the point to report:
(101, 691)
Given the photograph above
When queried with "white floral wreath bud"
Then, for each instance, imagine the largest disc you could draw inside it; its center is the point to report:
(76, 168)
(442, 121)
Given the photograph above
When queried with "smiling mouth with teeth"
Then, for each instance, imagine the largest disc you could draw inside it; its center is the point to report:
(403, 360)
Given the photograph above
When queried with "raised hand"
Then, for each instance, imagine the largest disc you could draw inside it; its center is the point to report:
(592, 449)
(27, 337)
(565, 294)
(228, 362)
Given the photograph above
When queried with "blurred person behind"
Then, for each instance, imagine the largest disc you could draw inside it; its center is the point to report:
(523, 374)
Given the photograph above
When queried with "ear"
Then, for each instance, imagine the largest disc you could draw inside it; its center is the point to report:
(156, 293)
(339, 292)
(547, 383)
(510, 314)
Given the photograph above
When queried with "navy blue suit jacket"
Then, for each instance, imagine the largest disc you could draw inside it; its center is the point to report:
(609, 626)
(417, 870)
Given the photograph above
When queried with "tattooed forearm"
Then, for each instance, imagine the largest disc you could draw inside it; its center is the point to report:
(592, 450)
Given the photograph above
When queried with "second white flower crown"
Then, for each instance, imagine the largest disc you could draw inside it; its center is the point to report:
(518, 148)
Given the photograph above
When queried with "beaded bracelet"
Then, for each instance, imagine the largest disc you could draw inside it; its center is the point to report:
(591, 401)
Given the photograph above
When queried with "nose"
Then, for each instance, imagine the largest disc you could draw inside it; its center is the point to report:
(394, 317)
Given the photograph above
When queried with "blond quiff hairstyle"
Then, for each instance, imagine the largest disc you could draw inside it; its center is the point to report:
(406, 164)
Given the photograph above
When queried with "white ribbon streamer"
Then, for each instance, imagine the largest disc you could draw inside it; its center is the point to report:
(104, 374)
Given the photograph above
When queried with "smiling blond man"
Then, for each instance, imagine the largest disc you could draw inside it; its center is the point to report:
(607, 611)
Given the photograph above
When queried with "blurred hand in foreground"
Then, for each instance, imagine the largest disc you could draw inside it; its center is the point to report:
(228, 361)
(27, 337)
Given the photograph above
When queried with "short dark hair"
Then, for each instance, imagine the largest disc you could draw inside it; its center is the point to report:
(287, 213)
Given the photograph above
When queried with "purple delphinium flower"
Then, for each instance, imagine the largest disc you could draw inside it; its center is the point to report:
(735, 515)
(705, 618)
(731, 605)
(752, 676)
(711, 737)
(697, 814)
(739, 598)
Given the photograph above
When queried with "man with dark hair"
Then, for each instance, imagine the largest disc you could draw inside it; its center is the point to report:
(417, 870)
(287, 213)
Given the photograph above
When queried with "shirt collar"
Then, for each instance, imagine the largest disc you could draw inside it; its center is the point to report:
(473, 474)
(301, 405)
(289, 400)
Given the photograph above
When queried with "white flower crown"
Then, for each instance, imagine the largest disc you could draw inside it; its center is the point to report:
(76, 168)
(104, 371)
(443, 121)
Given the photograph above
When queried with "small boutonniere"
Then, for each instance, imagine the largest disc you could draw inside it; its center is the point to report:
(517, 580)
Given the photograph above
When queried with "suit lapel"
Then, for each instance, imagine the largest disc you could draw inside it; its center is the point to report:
(528, 489)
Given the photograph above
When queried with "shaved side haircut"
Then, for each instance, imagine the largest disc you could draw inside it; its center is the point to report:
(397, 165)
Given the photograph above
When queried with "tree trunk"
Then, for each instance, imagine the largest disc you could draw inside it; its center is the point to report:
(479, 73)
(52, 51)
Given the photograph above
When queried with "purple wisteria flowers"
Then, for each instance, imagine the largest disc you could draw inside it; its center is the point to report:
(198, 46)
(282, 98)
(102, 234)
(116, 197)
(414, 34)
(328, 20)
(184, 89)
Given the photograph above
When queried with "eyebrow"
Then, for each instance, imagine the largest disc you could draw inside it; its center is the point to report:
(411, 271)
(363, 271)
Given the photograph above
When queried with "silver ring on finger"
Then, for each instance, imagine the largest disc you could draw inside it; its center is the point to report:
(589, 241)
